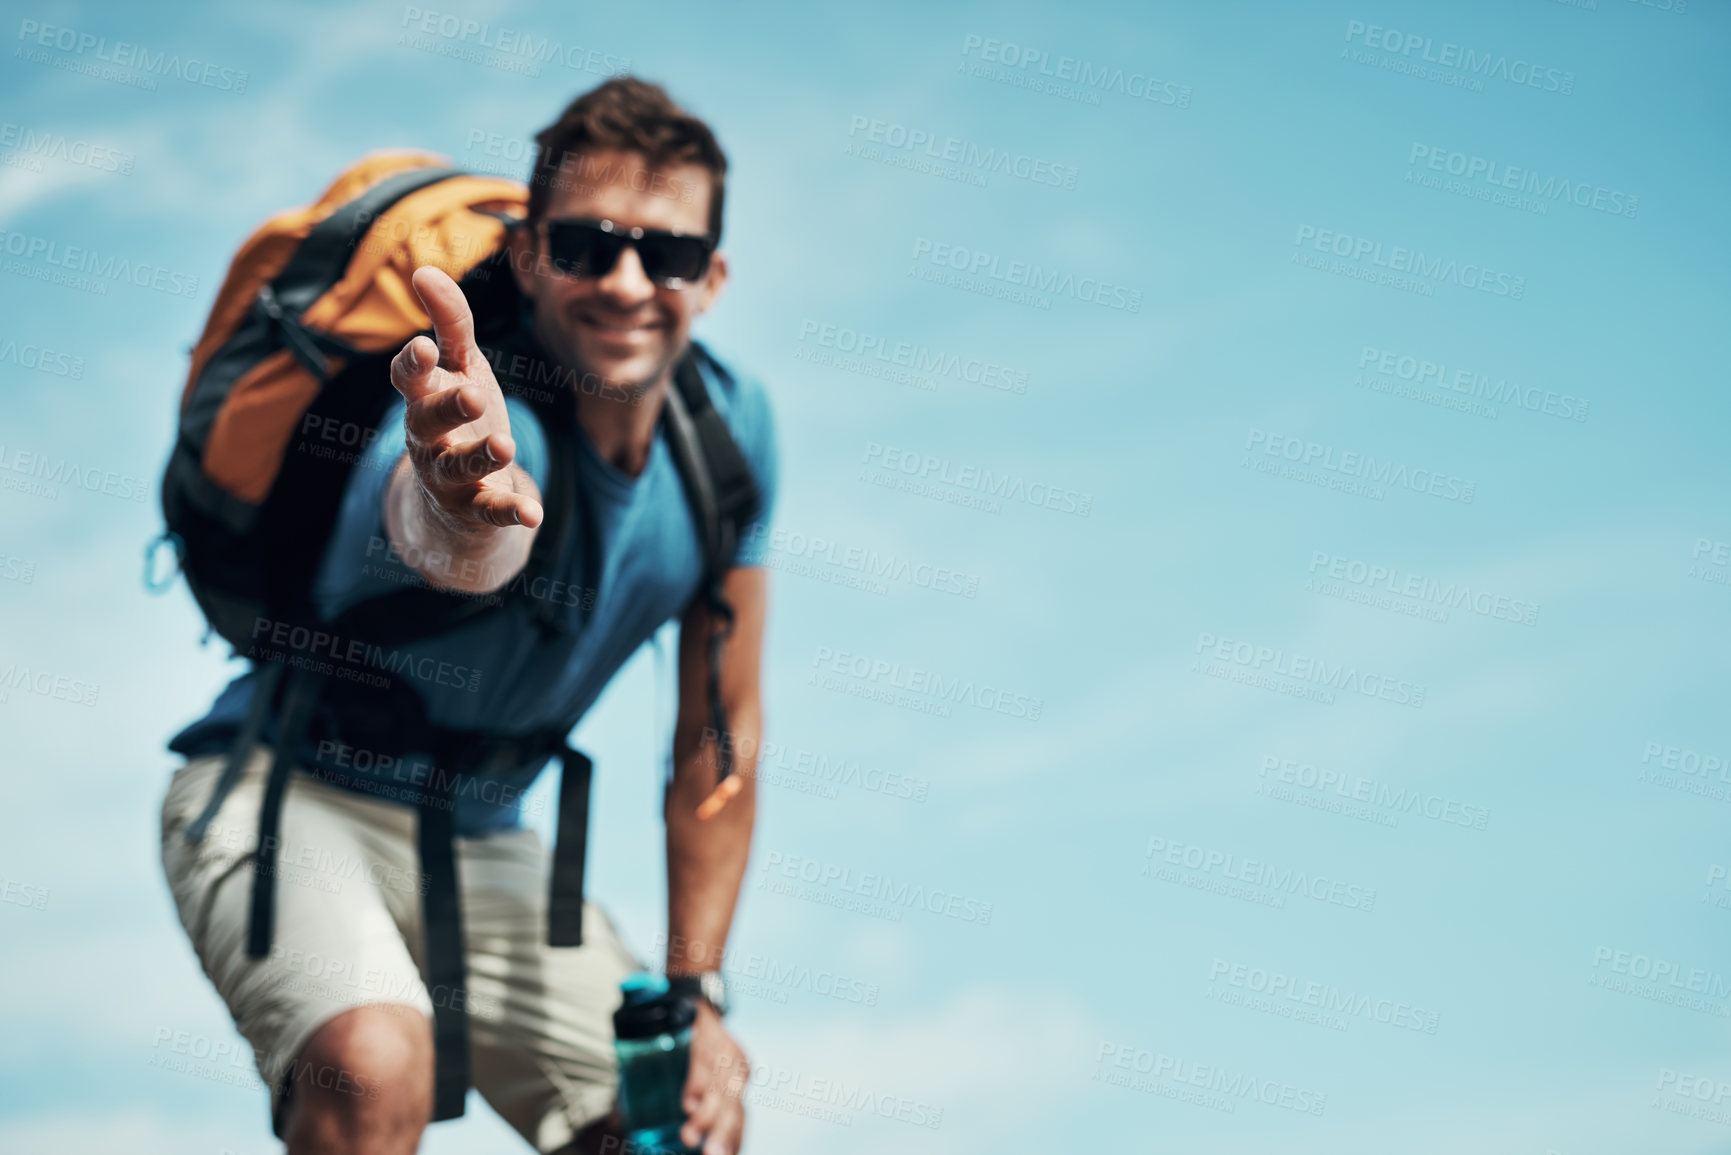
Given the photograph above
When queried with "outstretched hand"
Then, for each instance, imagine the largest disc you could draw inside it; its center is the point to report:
(459, 433)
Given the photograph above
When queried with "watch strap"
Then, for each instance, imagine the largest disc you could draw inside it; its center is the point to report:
(709, 986)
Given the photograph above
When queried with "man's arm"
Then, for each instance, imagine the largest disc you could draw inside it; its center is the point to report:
(456, 508)
(706, 857)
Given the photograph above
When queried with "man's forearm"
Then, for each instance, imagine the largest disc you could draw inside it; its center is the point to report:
(470, 559)
(706, 860)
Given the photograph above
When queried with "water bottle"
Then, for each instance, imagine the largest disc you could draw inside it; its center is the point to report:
(652, 1039)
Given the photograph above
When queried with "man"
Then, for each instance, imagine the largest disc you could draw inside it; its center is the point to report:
(450, 495)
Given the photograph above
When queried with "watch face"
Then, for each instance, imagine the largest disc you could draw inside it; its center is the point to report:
(714, 989)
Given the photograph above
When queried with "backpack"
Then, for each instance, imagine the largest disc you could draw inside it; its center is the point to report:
(289, 384)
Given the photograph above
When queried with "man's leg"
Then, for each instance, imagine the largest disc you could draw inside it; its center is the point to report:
(385, 1052)
(337, 1014)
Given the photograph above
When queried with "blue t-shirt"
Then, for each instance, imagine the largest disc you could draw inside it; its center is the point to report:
(503, 673)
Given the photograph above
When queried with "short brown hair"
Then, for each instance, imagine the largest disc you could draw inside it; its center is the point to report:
(635, 116)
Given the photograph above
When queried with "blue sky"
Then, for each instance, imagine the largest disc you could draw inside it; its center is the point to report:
(1382, 256)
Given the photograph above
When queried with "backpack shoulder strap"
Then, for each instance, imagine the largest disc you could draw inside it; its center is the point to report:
(724, 498)
(718, 480)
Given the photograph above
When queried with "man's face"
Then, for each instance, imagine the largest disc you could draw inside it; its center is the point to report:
(621, 326)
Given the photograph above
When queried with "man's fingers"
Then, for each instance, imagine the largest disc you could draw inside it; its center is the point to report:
(436, 414)
(471, 461)
(502, 507)
(453, 323)
(414, 367)
(724, 1137)
(716, 1122)
(700, 1120)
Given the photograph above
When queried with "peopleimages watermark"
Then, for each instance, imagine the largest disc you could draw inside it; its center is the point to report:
(1365, 799)
(40, 358)
(869, 893)
(1685, 1094)
(764, 976)
(340, 980)
(28, 471)
(884, 680)
(22, 678)
(346, 442)
(1348, 470)
(1221, 1089)
(1296, 674)
(1514, 185)
(1710, 561)
(1389, 587)
(1249, 879)
(924, 150)
(1718, 887)
(940, 478)
(855, 566)
(323, 651)
(1309, 1000)
(134, 65)
(75, 266)
(457, 250)
(514, 156)
(905, 362)
(372, 771)
(308, 863)
(827, 1099)
(814, 772)
(1362, 258)
(1686, 770)
(219, 1060)
(1455, 65)
(506, 49)
(1661, 980)
(23, 894)
(1066, 77)
(434, 569)
(38, 145)
(303, 864)
(1462, 388)
(232, 1061)
(1024, 282)
(17, 569)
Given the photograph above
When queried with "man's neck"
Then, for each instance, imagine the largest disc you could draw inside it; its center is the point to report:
(622, 428)
(619, 420)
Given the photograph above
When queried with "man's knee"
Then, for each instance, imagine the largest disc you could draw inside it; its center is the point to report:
(364, 1081)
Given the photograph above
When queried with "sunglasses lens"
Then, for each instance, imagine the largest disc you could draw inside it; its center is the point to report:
(580, 250)
(666, 259)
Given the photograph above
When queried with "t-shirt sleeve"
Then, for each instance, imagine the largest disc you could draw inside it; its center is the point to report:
(754, 428)
(359, 562)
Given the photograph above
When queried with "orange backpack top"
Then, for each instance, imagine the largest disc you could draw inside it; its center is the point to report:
(311, 292)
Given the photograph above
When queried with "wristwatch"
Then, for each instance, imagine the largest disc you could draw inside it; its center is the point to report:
(708, 986)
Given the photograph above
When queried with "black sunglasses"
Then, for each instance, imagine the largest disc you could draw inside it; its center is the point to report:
(590, 248)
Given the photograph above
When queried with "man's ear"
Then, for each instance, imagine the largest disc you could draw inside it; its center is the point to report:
(521, 250)
(713, 281)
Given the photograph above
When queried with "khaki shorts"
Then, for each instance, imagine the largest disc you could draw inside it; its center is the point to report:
(348, 933)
